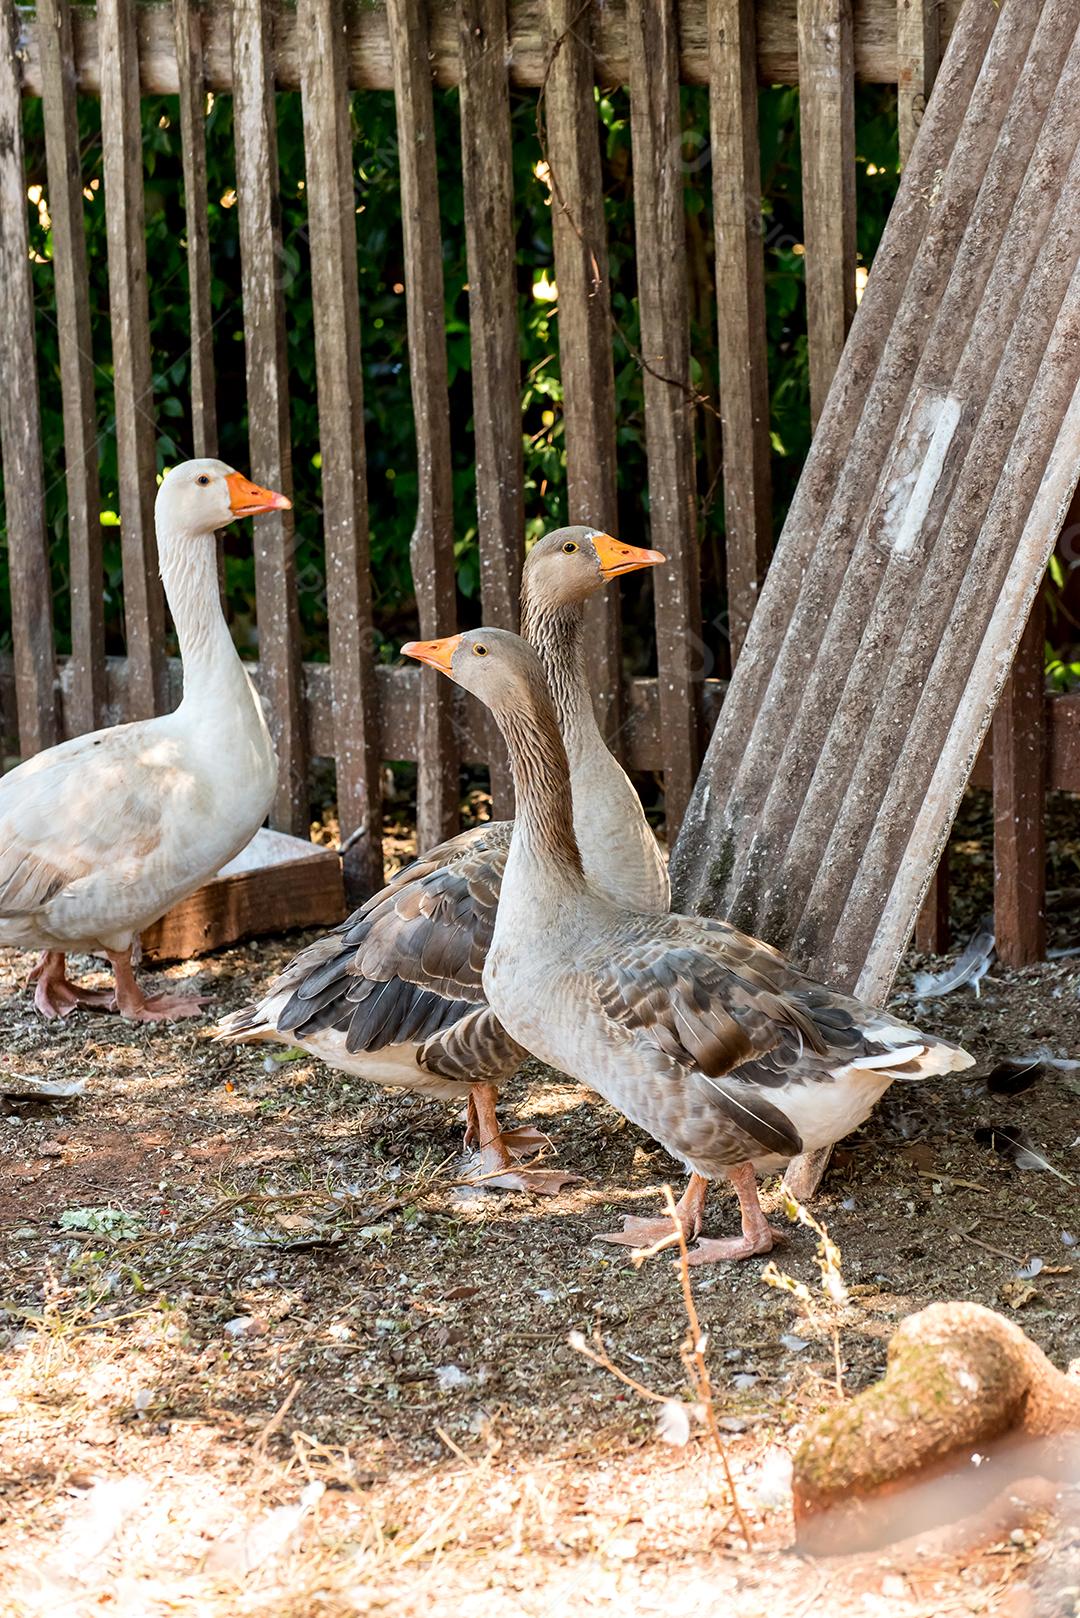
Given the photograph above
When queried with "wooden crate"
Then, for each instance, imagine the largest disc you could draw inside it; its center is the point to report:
(276, 883)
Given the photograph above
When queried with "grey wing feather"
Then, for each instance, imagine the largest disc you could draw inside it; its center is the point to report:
(476, 1048)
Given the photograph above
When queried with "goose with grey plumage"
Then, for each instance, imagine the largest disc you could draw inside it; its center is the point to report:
(395, 995)
(708, 1039)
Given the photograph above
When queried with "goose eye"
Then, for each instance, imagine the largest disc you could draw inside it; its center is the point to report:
(570, 547)
(202, 479)
(479, 650)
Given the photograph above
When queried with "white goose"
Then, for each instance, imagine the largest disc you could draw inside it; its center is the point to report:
(100, 835)
(395, 994)
(708, 1039)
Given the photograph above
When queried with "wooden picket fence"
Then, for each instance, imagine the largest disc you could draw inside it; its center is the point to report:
(352, 710)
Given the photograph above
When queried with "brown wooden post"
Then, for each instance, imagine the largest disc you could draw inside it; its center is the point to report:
(827, 129)
(187, 18)
(432, 547)
(20, 424)
(932, 923)
(85, 701)
(1020, 802)
(917, 57)
(488, 178)
(579, 233)
(660, 244)
(335, 298)
(133, 381)
(740, 307)
(255, 126)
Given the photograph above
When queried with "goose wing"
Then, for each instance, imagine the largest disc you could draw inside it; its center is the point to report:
(410, 961)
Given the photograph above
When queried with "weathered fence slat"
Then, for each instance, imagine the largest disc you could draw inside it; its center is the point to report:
(20, 425)
(432, 546)
(579, 233)
(86, 582)
(488, 179)
(335, 300)
(740, 307)
(827, 129)
(189, 57)
(917, 56)
(133, 382)
(660, 250)
(1020, 802)
(262, 266)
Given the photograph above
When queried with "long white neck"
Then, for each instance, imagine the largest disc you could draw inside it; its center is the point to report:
(213, 672)
(620, 855)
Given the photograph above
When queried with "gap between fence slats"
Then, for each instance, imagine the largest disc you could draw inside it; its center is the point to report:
(827, 129)
(579, 234)
(20, 425)
(335, 301)
(917, 57)
(133, 383)
(432, 545)
(740, 307)
(65, 189)
(488, 181)
(262, 267)
(189, 56)
(660, 251)
(1020, 802)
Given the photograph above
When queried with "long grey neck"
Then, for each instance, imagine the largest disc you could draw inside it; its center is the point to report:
(544, 822)
(212, 666)
(558, 636)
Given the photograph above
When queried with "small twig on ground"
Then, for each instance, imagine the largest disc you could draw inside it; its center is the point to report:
(273, 1425)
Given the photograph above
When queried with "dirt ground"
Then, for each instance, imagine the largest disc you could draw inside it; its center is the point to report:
(260, 1353)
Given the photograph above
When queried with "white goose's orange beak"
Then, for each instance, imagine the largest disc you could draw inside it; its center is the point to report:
(437, 654)
(247, 499)
(616, 558)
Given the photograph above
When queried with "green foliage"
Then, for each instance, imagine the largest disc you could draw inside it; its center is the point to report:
(389, 430)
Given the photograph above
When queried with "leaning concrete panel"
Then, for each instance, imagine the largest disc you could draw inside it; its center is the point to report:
(946, 457)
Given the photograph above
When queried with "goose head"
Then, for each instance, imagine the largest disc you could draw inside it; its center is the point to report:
(570, 564)
(199, 497)
(500, 668)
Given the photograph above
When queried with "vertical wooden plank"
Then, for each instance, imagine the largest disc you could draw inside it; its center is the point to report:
(827, 129)
(1020, 803)
(432, 545)
(932, 923)
(740, 306)
(488, 178)
(20, 423)
(579, 232)
(255, 126)
(918, 50)
(85, 706)
(133, 383)
(187, 22)
(335, 295)
(660, 247)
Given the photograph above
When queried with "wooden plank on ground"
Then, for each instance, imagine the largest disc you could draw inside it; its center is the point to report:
(1020, 802)
(432, 545)
(488, 180)
(660, 250)
(740, 307)
(65, 190)
(275, 884)
(259, 205)
(20, 425)
(187, 19)
(827, 130)
(917, 56)
(133, 382)
(335, 298)
(579, 233)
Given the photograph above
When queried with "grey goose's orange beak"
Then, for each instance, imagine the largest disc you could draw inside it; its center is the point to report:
(437, 654)
(616, 558)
